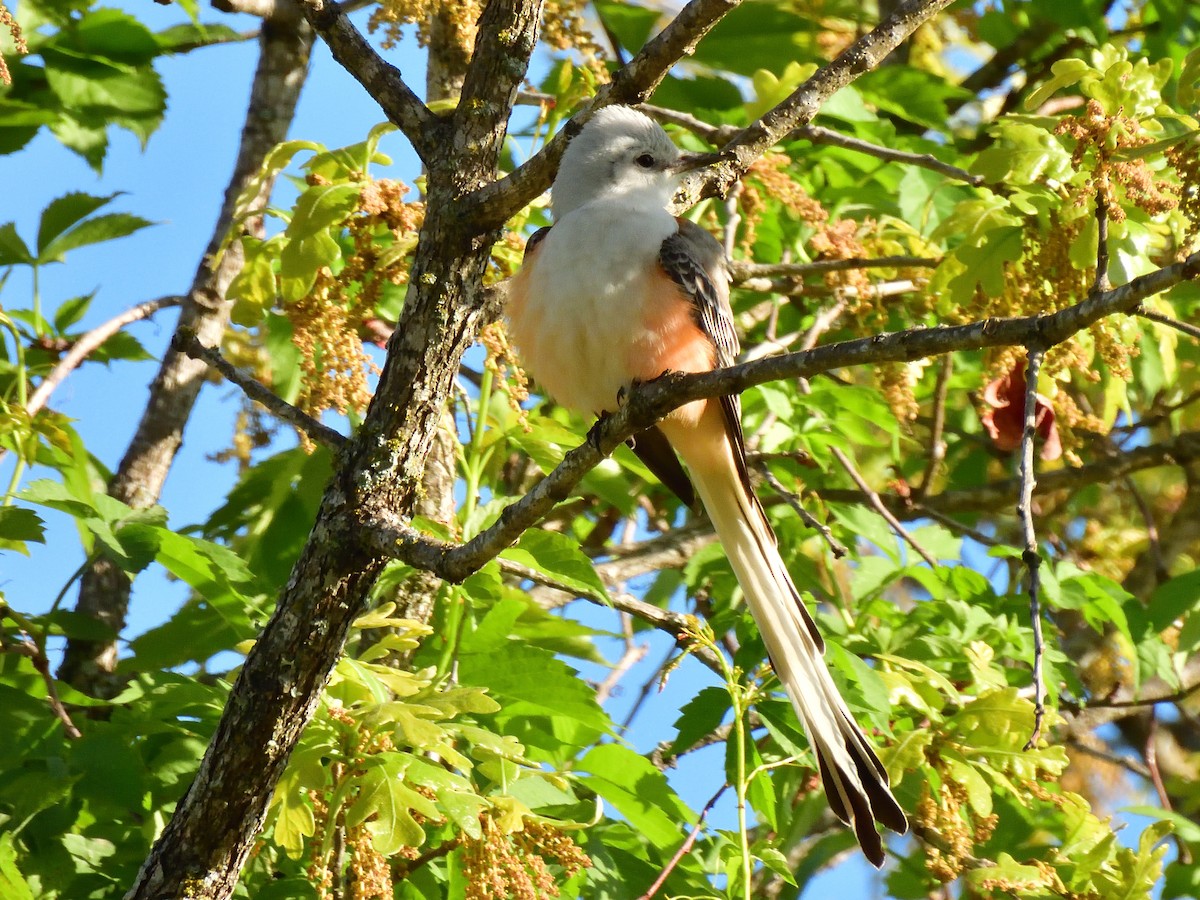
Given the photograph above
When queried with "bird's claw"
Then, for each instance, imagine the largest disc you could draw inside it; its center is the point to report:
(595, 432)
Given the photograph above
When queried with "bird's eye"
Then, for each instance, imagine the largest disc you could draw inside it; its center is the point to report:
(646, 161)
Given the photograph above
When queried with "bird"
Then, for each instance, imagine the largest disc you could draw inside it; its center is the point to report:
(619, 291)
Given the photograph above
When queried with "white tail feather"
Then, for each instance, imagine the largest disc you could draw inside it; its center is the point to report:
(845, 757)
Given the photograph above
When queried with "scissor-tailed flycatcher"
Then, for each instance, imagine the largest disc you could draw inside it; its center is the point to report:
(619, 291)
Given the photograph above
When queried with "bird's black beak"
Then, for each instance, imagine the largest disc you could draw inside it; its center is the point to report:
(690, 162)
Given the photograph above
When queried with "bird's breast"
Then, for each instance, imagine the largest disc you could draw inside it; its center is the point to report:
(592, 310)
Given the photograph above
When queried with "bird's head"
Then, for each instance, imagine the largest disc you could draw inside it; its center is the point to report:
(619, 151)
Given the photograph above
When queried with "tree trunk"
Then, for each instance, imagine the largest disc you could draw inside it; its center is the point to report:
(201, 852)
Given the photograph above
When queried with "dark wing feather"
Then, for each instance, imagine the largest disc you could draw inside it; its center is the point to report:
(695, 260)
(536, 238)
(653, 448)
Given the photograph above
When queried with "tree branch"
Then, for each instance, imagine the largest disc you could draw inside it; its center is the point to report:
(187, 342)
(647, 403)
(802, 105)
(378, 77)
(507, 34)
(86, 345)
(493, 204)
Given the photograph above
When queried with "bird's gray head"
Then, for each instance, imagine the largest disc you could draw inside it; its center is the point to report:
(619, 151)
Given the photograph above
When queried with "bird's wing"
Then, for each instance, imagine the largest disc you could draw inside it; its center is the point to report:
(695, 261)
(536, 238)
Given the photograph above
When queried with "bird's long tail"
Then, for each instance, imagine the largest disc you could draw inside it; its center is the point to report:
(855, 781)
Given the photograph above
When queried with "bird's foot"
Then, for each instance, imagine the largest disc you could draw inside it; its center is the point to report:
(596, 431)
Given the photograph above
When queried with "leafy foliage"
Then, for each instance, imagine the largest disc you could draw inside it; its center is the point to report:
(468, 756)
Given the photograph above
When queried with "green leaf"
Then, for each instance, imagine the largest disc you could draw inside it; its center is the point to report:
(774, 859)
(986, 263)
(557, 555)
(1009, 876)
(1174, 599)
(1066, 73)
(185, 37)
(20, 524)
(753, 36)
(122, 345)
(639, 792)
(115, 35)
(910, 93)
(699, 717)
(630, 24)
(12, 249)
(91, 231)
(201, 564)
(64, 212)
(321, 207)
(71, 311)
(13, 885)
(386, 804)
(532, 675)
(1022, 153)
(88, 140)
(1189, 74)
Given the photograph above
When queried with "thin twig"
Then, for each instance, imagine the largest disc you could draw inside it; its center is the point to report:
(672, 623)
(404, 869)
(1179, 696)
(685, 847)
(1150, 752)
(924, 510)
(1101, 283)
(89, 343)
(25, 645)
(1125, 762)
(877, 504)
(793, 500)
(633, 654)
(646, 689)
(1190, 330)
(1155, 546)
(1030, 555)
(827, 136)
(187, 342)
(733, 218)
(723, 134)
(937, 443)
(743, 271)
